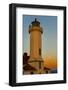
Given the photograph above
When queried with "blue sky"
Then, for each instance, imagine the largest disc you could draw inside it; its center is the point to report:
(49, 36)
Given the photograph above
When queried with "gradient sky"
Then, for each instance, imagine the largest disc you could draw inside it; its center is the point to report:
(49, 36)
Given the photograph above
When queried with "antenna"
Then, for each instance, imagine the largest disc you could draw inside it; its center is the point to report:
(35, 19)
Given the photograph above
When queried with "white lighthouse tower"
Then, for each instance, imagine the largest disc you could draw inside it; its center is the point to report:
(35, 59)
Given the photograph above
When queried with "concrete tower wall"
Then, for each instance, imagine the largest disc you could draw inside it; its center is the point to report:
(35, 43)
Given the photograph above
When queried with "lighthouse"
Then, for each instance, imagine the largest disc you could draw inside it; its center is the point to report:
(35, 60)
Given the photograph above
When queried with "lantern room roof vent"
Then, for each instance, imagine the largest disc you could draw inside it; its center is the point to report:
(35, 22)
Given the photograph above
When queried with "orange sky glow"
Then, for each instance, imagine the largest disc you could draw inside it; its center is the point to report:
(50, 62)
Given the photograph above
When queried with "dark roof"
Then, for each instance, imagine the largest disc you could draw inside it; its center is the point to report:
(45, 68)
(25, 58)
(27, 67)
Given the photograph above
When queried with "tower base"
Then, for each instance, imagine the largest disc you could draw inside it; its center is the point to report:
(38, 64)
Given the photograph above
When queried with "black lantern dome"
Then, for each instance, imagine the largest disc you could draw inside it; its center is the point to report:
(35, 23)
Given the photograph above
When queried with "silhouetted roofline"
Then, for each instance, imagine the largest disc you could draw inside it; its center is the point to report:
(27, 67)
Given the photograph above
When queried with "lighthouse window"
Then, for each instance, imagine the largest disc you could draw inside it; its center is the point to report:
(39, 51)
(39, 65)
